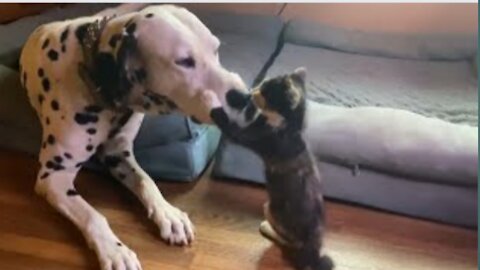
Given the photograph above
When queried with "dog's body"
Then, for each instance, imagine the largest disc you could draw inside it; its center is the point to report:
(90, 82)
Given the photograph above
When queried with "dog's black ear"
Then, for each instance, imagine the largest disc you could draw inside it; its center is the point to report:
(112, 72)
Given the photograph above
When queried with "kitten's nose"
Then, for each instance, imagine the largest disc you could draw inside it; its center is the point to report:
(237, 99)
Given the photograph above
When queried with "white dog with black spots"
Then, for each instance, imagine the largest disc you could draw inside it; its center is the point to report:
(91, 80)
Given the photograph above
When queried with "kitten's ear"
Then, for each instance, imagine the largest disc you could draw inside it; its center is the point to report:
(299, 75)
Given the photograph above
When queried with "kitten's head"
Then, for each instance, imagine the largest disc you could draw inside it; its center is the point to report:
(270, 117)
(282, 100)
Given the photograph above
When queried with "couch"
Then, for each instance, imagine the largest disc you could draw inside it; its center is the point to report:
(392, 119)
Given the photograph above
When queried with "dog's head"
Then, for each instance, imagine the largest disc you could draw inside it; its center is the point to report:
(165, 51)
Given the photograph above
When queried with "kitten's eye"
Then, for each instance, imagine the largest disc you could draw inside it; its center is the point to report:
(187, 62)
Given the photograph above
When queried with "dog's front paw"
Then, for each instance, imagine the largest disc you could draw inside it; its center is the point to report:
(175, 226)
(114, 256)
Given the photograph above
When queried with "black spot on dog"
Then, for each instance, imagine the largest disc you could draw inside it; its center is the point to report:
(44, 145)
(64, 48)
(126, 153)
(44, 175)
(131, 28)
(80, 164)
(46, 84)
(149, 15)
(45, 44)
(121, 122)
(72, 192)
(54, 166)
(91, 131)
(114, 40)
(85, 118)
(59, 167)
(64, 35)
(58, 159)
(119, 244)
(124, 119)
(112, 161)
(155, 98)
(52, 55)
(93, 109)
(40, 72)
(68, 155)
(55, 105)
(81, 31)
(41, 98)
(171, 104)
(51, 139)
(47, 121)
(89, 148)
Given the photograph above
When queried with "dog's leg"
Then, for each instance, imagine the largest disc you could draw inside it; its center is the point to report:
(117, 154)
(58, 189)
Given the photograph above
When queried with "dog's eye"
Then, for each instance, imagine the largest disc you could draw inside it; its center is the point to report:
(187, 62)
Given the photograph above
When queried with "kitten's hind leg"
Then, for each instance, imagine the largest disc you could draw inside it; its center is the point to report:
(268, 231)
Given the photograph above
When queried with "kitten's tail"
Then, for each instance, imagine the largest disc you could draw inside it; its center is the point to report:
(309, 258)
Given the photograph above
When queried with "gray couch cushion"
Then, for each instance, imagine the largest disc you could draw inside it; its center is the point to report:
(449, 204)
(441, 89)
(439, 46)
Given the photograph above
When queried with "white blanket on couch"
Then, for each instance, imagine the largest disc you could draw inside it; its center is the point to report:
(394, 141)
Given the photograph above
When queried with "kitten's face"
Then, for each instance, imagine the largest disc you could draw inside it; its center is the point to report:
(270, 119)
(282, 98)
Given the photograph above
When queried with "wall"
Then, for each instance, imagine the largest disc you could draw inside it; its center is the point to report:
(416, 17)
(12, 11)
(413, 17)
(251, 8)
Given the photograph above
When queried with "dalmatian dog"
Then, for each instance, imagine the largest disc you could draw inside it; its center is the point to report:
(91, 80)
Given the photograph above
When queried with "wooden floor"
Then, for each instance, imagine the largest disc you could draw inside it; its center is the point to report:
(33, 236)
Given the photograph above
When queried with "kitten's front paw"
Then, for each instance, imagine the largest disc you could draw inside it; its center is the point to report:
(210, 100)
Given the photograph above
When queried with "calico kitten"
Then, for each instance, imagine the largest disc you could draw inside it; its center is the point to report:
(270, 121)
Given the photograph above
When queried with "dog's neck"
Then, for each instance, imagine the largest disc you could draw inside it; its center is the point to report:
(138, 98)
